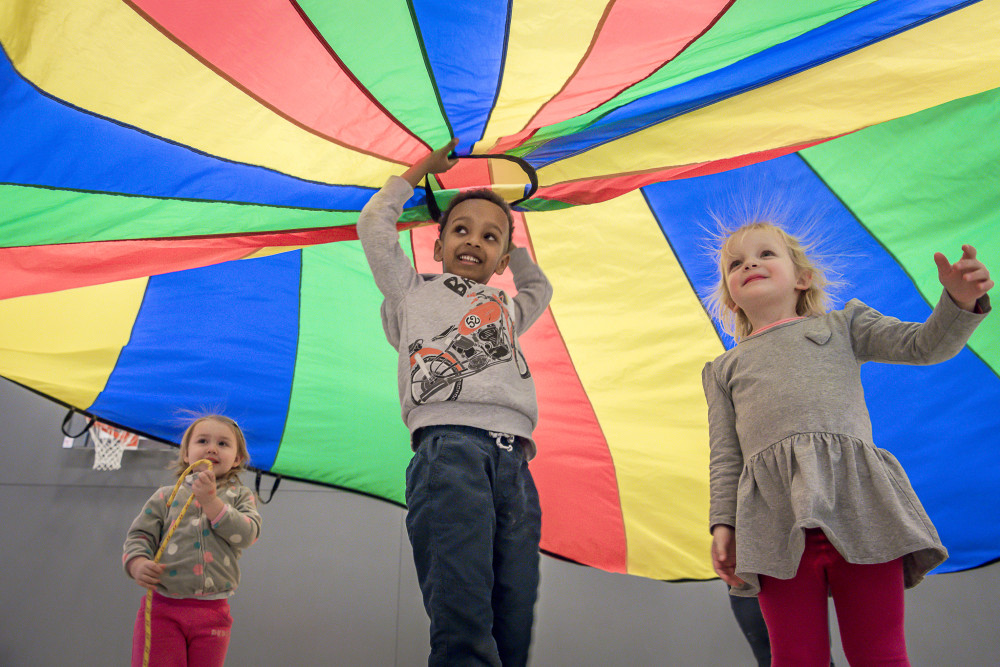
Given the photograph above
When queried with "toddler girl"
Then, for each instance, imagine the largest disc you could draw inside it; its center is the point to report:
(198, 570)
(802, 502)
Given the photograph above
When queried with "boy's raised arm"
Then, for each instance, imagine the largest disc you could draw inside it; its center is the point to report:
(533, 289)
(392, 269)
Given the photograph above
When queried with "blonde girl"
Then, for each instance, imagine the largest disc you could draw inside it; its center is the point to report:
(198, 570)
(803, 504)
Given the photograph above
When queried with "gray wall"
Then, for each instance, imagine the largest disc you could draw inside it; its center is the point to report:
(331, 581)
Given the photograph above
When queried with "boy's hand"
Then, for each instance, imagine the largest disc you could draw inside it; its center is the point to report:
(966, 280)
(724, 554)
(433, 163)
(145, 572)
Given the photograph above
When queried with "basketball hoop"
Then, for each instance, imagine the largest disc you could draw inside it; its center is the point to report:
(109, 444)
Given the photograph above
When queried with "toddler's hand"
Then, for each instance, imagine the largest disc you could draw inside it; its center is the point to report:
(966, 280)
(145, 572)
(724, 554)
(203, 487)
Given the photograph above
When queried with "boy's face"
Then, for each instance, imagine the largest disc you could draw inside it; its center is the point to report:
(473, 244)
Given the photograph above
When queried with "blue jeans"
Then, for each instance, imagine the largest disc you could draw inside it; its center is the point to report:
(475, 523)
(751, 622)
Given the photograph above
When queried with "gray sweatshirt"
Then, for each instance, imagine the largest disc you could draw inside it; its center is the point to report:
(459, 358)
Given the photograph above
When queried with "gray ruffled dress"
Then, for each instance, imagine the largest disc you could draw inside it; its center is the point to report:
(791, 441)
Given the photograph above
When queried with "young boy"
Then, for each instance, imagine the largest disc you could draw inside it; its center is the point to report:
(468, 399)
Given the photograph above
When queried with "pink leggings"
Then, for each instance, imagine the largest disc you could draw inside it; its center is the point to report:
(185, 632)
(868, 600)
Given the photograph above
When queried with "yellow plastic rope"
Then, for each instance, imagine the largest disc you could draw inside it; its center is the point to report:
(159, 553)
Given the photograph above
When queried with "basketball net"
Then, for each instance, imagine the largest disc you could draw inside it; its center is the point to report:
(109, 444)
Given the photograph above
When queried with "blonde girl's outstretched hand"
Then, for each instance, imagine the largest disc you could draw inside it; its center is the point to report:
(724, 554)
(966, 280)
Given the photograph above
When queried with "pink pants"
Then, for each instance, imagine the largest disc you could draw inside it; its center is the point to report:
(185, 632)
(868, 600)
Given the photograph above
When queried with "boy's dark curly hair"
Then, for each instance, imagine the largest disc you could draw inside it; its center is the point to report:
(482, 193)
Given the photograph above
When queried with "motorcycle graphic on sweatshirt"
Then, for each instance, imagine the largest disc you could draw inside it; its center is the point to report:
(484, 337)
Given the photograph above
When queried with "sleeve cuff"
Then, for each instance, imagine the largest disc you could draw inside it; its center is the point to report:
(218, 517)
(727, 521)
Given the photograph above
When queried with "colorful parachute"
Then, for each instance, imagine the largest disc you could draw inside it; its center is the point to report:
(146, 143)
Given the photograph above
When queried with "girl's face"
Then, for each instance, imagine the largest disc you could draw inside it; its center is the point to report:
(215, 441)
(761, 276)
